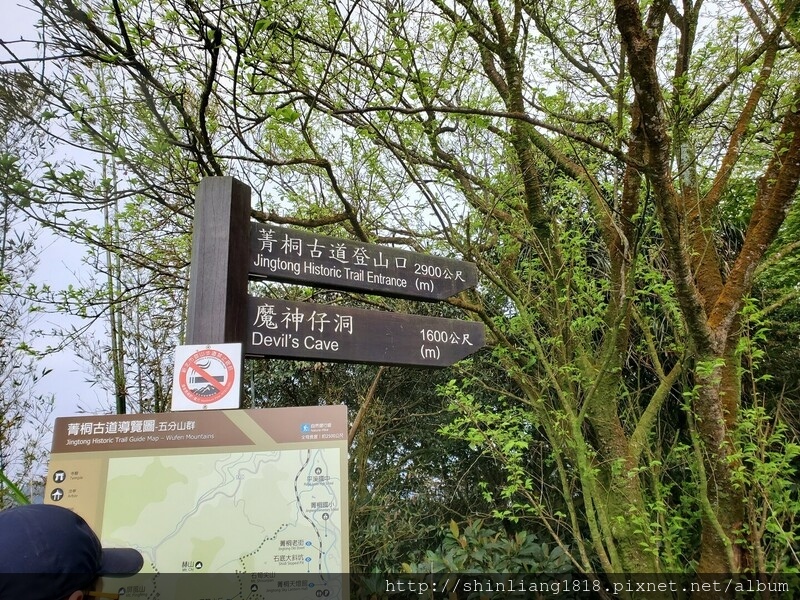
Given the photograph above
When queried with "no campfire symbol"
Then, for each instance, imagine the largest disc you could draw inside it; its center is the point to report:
(206, 377)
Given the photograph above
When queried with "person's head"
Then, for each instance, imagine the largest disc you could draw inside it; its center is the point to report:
(50, 553)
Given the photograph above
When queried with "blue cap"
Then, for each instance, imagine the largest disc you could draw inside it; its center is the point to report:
(52, 540)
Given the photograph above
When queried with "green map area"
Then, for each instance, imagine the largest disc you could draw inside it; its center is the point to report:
(256, 512)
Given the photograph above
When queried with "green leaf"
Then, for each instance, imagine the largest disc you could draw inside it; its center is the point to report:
(454, 529)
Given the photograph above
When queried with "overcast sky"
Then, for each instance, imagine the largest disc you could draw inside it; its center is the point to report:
(58, 261)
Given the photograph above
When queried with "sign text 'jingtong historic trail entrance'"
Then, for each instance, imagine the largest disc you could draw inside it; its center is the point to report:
(295, 256)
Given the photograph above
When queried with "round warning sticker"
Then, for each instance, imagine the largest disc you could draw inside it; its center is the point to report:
(207, 376)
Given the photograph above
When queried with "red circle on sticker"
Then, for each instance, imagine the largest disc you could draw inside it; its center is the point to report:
(206, 376)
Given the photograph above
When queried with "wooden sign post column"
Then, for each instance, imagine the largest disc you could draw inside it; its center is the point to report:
(217, 311)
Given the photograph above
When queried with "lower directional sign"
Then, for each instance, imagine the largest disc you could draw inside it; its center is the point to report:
(306, 331)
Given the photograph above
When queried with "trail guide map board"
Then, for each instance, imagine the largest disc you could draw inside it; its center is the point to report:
(257, 495)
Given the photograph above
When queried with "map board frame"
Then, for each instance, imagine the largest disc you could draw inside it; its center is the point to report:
(281, 471)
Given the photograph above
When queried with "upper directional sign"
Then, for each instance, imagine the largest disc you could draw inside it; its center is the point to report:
(306, 331)
(296, 256)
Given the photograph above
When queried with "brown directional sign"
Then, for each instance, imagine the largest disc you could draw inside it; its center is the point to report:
(296, 256)
(306, 331)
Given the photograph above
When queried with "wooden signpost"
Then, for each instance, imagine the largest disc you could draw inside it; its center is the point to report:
(227, 249)
(218, 280)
